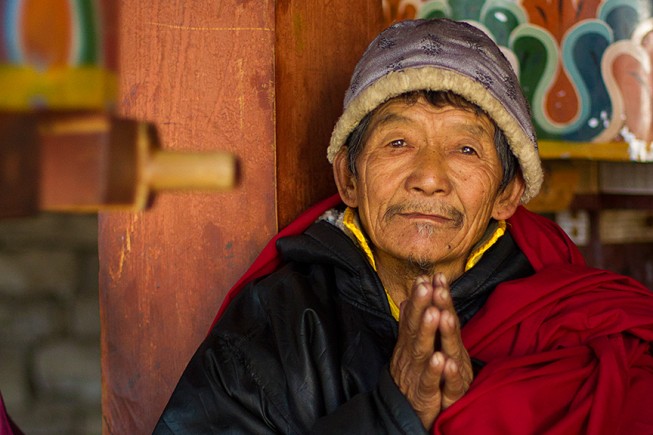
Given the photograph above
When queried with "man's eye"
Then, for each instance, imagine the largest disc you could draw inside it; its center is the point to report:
(398, 143)
(466, 149)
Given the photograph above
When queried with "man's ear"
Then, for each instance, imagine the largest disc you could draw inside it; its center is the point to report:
(345, 180)
(508, 200)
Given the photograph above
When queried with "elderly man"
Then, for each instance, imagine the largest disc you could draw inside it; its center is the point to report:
(431, 300)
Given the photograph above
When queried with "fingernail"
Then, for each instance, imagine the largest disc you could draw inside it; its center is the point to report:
(437, 359)
(421, 290)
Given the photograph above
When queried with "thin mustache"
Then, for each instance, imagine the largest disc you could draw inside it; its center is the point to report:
(438, 209)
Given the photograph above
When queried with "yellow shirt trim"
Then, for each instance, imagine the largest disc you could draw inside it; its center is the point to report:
(480, 250)
(350, 221)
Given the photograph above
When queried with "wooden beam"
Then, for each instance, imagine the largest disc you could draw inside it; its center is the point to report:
(202, 73)
(19, 164)
(606, 151)
(317, 46)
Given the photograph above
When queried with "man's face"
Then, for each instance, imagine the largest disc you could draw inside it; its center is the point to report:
(427, 183)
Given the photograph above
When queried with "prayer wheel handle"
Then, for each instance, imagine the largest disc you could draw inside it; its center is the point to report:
(118, 163)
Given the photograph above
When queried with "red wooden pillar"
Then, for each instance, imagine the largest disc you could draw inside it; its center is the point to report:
(318, 45)
(261, 79)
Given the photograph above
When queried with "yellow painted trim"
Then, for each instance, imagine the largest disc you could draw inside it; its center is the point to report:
(87, 87)
(610, 151)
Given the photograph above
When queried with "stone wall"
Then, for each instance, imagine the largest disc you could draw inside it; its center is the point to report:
(49, 324)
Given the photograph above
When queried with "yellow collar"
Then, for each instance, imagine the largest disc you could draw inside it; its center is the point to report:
(352, 224)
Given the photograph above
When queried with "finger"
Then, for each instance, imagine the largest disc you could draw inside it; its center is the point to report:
(449, 326)
(454, 385)
(422, 335)
(414, 307)
(416, 330)
(450, 338)
(442, 293)
(432, 375)
(424, 344)
(427, 400)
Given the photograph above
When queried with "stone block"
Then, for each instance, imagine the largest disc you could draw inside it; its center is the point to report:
(38, 272)
(89, 269)
(46, 417)
(13, 377)
(51, 230)
(85, 318)
(91, 421)
(69, 369)
(23, 322)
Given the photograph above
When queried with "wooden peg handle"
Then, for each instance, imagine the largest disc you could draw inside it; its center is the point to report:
(174, 170)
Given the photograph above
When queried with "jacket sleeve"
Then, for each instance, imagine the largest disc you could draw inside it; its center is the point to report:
(384, 410)
(203, 403)
(218, 395)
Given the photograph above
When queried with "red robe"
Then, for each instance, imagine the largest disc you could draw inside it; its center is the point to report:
(7, 426)
(567, 350)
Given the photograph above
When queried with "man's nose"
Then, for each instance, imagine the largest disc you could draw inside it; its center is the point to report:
(430, 174)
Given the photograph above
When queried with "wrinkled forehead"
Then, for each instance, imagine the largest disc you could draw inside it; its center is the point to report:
(397, 111)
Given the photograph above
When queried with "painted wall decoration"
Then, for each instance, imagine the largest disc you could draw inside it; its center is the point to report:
(57, 54)
(585, 66)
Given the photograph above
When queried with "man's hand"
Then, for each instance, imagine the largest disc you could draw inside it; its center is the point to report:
(431, 380)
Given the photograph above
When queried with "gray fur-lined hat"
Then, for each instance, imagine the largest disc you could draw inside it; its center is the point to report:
(443, 55)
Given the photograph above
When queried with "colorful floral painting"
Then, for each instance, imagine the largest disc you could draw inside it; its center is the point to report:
(56, 54)
(585, 66)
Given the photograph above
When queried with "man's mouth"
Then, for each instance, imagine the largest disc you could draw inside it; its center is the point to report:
(431, 218)
(441, 214)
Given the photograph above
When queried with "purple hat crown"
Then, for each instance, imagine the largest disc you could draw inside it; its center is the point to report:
(446, 44)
